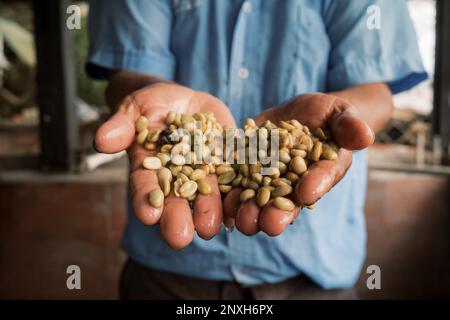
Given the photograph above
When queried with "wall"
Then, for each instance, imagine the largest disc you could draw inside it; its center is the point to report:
(408, 235)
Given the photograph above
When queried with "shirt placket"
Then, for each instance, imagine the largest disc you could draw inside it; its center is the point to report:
(239, 72)
(239, 80)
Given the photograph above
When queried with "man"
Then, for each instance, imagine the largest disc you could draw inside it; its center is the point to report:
(263, 59)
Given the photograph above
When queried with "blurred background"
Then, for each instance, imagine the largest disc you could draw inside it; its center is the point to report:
(63, 204)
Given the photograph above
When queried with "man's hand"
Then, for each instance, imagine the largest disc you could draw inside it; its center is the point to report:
(118, 133)
(313, 110)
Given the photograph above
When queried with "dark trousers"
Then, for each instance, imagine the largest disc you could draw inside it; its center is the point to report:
(140, 282)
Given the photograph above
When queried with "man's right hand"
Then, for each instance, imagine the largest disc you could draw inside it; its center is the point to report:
(118, 133)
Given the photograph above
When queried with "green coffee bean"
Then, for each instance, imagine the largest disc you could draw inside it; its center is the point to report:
(181, 148)
(164, 157)
(272, 172)
(292, 177)
(283, 204)
(267, 181)
(141, 124)
(165, 187)
(297, 132)
(298, 165)
(282, 167)
(223, 168)
(247, 195)
(177, 120)
(318, 132)
(244, 170)
(142, 136)
(188, 189)
(205, 168)
(328, 153)
(176, 187)
(255, 168)
(280, 182)
(296, 124)
(153, 136)
(182, 177)
(186, 118)
(316, 151)
(151, 163)
(164, 174)
(156, 198)
(170, 118)
(282, 190)
(197, 174)
(203, 186)
(191, 199)
(298, 153)
(306, 141)
(287, 126)
(178, 160)
(253, 185)
(223, 188)
(150, 146)
(226, 177)
(284, 157)
(237, 181)
(187, 170)
(244, 182)
(257, 177)
(166, 148)
(250, 123)
(263, 196)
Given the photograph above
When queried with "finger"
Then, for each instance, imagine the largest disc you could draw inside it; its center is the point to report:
(321, 177)
(247, 218)
(350, 131)
(118, 132)
(208, 211)
(177, 226)
(142, 182)
(231, 202)
(273, 221)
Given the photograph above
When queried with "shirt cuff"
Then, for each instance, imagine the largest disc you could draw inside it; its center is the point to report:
(100, 63)
(407, 82)
(399, 73)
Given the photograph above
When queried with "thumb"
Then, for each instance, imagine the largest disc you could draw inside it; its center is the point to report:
(118, 132)
(350, 131)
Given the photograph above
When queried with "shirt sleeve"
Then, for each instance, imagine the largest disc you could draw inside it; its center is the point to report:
(131, 35)
(362, 53)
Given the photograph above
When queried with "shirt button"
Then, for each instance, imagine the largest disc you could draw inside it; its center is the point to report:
(247, 7)
(243, 73)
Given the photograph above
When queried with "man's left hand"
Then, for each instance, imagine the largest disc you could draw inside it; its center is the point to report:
(316, 111)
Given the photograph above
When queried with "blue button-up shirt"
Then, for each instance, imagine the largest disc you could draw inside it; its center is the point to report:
(256, 54)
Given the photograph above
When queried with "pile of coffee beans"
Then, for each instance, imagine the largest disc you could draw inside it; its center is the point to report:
(265, 160)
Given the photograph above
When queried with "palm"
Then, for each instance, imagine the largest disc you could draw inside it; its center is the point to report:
(313, 110)
(175, 217)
